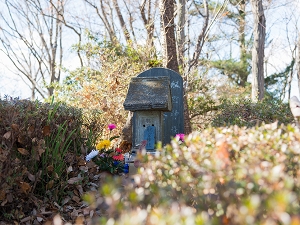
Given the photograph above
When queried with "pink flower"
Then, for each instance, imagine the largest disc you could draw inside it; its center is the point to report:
(118, 150)
(118, 157)
(111, 126)
(180, 137)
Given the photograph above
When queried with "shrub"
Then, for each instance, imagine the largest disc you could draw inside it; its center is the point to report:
(243, 112)
(38, 143)
(226, 175)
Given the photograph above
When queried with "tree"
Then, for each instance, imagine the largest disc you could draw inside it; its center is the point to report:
(236, 69)
(32, 41)
(258, 50)
(181, 24)
(298, 63)
(168, 35)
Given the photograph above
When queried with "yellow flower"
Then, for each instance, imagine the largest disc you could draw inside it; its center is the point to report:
(103, 144)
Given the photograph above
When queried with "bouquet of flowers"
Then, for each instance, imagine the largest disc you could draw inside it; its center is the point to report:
(107, 158)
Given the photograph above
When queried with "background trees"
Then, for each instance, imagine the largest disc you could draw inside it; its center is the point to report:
(32, 39)
(209, 42)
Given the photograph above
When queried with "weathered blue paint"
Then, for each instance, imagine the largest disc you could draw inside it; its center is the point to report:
(150, 137)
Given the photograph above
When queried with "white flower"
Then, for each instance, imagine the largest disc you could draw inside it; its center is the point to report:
(92, 154)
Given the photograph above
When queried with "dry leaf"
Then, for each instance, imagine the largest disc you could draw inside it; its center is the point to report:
(4, 202)
(2, 195)
(80, 189)
(39, 219)
(21, 139)
(66, 200)
(7, 135)
(50, 168)
(46, 130)
(74, 180)
(31, 177)
(26, 219)
(25, 187)
(9, 197)
(23, 151)
(81, 162)
(70, 169)
(50, 184)
(41, 151)
(76, 199)
(15, 127)
(30, 130)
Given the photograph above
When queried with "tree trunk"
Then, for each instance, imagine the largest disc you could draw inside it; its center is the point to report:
(180, 31)
(170, 50)
(168, 35)
(242, 43)
(298, 62)
(258, 50)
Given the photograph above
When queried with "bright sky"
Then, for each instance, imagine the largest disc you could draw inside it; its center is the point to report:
(278, 51)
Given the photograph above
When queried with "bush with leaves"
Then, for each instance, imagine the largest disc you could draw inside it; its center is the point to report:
(38, 143)
(225, 175)
(243, 112)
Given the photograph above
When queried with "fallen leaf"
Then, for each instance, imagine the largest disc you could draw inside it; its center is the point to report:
(9, 197)
(66, 200)
(70, 169)
(46, 130)
(7, 135)
(21, 139)
(31, 177)
(84, 168)
(15, 127)
(23, 151)
(74, 180)
(50, 184)
(41, 151)
(25, 187)
(4, 202)
(2, 195)
(30, 130)
(80, 189)
(76, 199)
(81, 162)
(26, 219)
(50, 168)
(40, 219)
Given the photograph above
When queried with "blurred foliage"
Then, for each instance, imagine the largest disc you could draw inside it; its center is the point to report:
(226, 175)
(243, 112)
(101, 84)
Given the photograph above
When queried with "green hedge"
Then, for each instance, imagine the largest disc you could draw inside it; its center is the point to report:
(243, 112)
(227, 175)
